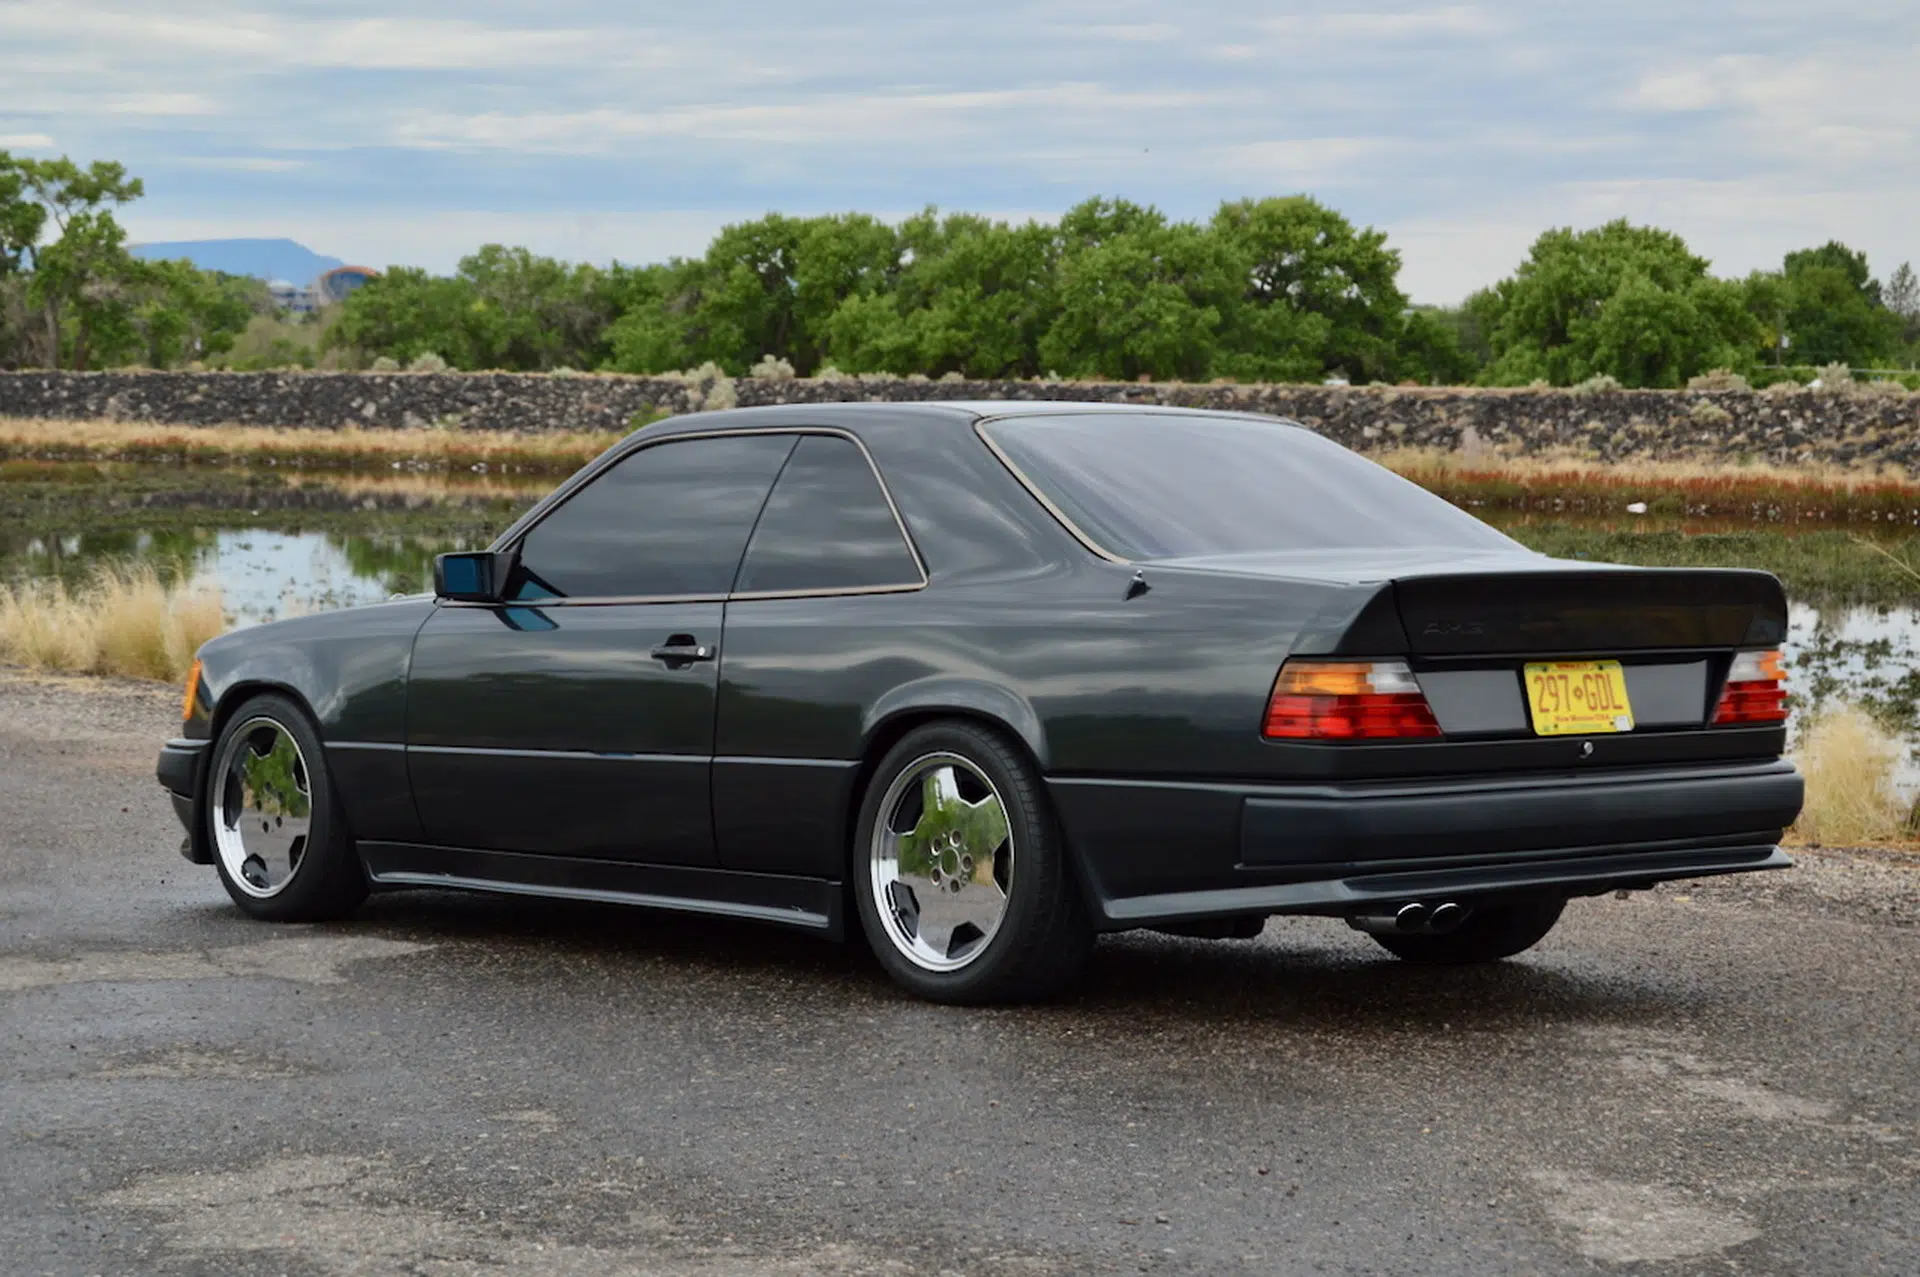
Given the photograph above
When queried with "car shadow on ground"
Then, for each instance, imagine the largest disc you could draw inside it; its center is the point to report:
(1301, 973)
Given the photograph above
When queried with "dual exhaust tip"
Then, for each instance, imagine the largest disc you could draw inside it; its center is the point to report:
(1414, 919)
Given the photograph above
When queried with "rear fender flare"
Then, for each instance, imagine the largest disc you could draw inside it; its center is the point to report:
(974, 698)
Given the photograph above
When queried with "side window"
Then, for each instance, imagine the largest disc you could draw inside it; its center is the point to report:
(827, 526)
(670, 519)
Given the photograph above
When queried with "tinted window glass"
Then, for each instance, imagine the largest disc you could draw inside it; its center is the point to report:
(1152, 487)
(827, 526)
(670, 519)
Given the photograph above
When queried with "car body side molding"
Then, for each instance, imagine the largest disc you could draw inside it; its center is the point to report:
(810, 904)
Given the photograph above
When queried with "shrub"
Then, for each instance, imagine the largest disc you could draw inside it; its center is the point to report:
(1599, 383)
(123, 620)
(1835, 379)
(1848, 760)
(1705, 412)
(1719, 379)
(428, 362)
(772, 368)
(709, 387)
(829, 374)
(386, 363)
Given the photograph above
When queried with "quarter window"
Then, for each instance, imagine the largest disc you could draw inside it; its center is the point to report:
(827, 526)
(670, 519)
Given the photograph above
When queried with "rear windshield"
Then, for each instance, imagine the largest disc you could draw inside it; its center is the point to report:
(1148, 486)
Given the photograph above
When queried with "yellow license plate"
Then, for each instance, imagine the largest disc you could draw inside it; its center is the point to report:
(1578, 698)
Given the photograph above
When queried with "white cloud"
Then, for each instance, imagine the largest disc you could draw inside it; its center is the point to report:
(1740, 225)
(907, 118)
(1297, 160)
(1859, 103)
(1133, 32)
(1457, 19)
(162, 104)
(263, 39)
(25, 142)
(241, 163)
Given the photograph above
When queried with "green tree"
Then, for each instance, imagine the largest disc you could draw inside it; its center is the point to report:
(1319, 296)
(83, 279)
(1439, 346)
(407, 312)
(656, 331)
(1630, 302)
(971, 296)
(182, 313)
(1833, 311)
(1902, 295)
(21, 220)
(1137, 296)
(21, 215)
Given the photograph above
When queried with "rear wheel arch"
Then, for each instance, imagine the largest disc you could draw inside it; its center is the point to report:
(891, 730)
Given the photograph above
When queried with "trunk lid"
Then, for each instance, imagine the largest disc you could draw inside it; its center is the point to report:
(1441, 603)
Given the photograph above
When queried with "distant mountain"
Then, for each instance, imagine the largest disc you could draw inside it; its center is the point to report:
(261, 258)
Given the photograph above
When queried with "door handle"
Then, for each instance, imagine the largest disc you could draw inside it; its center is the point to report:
(682, 649)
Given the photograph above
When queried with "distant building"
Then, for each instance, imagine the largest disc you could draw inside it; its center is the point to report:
(291, 297)
(340, 281)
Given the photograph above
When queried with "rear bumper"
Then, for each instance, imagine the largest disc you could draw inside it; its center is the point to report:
(178, 772)
(1156, 851)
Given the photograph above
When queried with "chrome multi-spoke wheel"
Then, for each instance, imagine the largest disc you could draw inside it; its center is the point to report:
(942, 861)
(964, 890)
(261, 797)
(278, 832)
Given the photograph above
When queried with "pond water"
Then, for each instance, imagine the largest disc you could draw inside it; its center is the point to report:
(277, 548)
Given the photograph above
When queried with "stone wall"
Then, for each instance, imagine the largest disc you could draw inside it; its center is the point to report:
(1782, 425)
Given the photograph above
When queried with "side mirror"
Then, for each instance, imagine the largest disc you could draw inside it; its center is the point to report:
(477, 576)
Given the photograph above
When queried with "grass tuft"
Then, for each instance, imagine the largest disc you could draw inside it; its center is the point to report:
(124, 620)
(1848, 760)
(418, 448)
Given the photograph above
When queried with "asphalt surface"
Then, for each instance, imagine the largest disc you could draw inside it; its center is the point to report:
(1718, 1078)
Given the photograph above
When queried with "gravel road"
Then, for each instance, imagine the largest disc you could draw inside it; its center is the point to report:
(1713, 1078)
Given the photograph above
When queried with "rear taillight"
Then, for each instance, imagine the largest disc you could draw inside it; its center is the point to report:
(1348, 700)
(1756, 690)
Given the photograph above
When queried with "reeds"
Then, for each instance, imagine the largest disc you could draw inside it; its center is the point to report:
(1759, 492)
(123, 620)
(420, 448)
(1848, 761)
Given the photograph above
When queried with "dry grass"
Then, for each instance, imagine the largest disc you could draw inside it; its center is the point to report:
(1758, 492)
(1565, 465)
(1848, 761)
(124, 620)
(350, 448)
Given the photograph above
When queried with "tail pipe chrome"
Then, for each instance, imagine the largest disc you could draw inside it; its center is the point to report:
(1413, 919)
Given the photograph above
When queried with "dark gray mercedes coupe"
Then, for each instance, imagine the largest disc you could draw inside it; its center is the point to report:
(994, 678)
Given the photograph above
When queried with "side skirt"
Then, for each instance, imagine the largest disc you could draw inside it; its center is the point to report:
(811, 904)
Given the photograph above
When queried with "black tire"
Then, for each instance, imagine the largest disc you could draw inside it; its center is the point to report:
(327, 879)
(1044, 934)
(1490, 933)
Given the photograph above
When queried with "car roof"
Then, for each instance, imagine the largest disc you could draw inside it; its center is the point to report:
(957, 411)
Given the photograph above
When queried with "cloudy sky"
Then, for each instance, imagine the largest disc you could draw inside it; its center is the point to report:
(393, 132)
